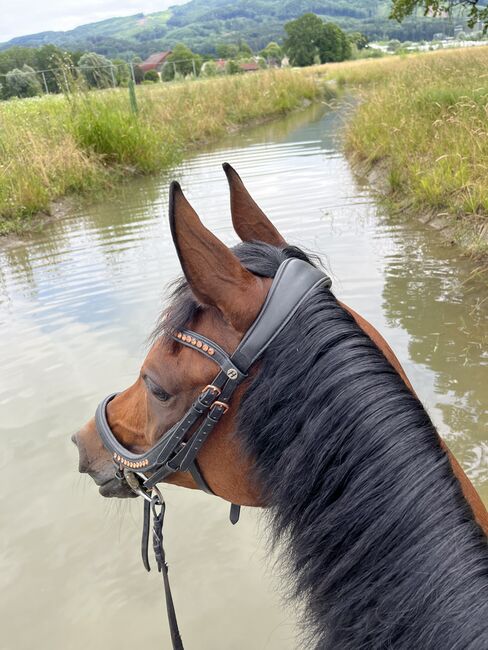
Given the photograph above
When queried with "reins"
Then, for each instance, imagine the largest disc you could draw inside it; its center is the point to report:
(178, 448)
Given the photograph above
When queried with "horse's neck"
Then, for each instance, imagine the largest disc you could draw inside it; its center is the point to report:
(479, 510)
(381, 542)
(410, 560)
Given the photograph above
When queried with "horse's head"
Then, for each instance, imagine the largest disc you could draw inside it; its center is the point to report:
(219, 299)
(331, 437)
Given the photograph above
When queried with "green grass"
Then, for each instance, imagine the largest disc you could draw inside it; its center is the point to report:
(55, 146)
(424, 120)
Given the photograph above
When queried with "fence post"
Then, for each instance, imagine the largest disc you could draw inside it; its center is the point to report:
(132, 72)
(45, 82)
(114, 83)
(194, 68)
(65, 80)
(132, 97)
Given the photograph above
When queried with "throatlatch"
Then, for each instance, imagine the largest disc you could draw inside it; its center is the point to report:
(178, 448)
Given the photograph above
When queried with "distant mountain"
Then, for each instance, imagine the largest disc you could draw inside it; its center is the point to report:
(202, 24)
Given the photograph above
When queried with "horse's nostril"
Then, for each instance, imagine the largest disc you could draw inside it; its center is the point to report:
(74, 439)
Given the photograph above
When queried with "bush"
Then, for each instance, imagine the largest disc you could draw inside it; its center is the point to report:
(97, 70)
(22, 83)
(152, 76)
(209, 69)
(232, 67)
(371, 53)
(122, 72)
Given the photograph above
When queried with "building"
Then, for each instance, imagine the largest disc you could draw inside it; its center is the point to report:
(249, 67)
(155, 61)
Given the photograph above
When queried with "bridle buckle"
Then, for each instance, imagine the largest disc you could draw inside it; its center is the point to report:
(213, 388)
(225, 407)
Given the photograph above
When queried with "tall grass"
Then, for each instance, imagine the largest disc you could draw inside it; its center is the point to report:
(425, 120)
(54, 146)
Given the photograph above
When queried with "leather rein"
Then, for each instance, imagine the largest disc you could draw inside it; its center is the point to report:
(178, 448)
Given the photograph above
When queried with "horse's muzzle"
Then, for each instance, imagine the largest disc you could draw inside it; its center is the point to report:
(95, 461)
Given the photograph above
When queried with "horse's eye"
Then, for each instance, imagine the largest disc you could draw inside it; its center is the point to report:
(158, 392)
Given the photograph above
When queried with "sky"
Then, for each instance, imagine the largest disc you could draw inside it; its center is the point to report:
(22, 17)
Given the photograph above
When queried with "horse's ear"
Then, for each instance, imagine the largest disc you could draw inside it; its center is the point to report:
(214, 273)
(250, 222)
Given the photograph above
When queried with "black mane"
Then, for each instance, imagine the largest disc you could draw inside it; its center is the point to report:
(380, 544)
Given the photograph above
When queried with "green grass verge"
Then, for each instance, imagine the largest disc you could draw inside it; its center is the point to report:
(54, 146)
(423, 121)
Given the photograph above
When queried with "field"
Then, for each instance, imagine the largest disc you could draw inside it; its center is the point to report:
(54, 146)
(422, 126)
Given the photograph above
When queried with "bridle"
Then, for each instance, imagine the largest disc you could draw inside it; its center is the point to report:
(178, 448)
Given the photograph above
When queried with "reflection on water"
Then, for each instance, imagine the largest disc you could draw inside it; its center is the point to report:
(76, 303)
(445, 316)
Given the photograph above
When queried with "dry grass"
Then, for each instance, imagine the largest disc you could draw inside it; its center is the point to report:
(424, 117)
(53, 146)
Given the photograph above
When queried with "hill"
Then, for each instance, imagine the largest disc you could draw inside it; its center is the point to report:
(201, 24)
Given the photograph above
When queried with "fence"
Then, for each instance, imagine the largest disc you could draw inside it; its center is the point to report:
(62, 79)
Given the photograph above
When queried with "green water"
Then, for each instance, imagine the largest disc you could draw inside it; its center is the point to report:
(76, 303)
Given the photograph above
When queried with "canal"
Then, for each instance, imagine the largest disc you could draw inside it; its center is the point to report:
(77, 302)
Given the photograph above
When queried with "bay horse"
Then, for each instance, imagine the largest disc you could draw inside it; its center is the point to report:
(384, 536)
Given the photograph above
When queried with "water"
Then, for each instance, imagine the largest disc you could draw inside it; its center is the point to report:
(76, 303)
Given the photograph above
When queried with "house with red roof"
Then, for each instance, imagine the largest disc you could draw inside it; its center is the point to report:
(249, 66)
(155, 61)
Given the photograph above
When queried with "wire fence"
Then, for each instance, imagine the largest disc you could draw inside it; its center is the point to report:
(63, 78)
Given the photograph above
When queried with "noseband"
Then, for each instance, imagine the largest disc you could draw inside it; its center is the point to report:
(178, 448)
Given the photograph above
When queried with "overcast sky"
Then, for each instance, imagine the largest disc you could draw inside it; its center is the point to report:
(22, 17)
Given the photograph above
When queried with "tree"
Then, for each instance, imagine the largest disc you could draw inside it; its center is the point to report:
(122, 72)
(476, 11)
(310, 40)
(22, 83)
(244, 50)
(302, 39)
(48, 58)
(227, 50)
(97, 70)
(16, 57)
(360, 40)
(334, 44)
(272, 53)
(232, 67)
(181, 61)
(394, 45)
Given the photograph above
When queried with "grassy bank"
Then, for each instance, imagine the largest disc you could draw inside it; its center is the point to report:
(423, 124)
(54, 146)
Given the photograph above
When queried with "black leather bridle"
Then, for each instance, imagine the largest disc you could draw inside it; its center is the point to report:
(178, 448)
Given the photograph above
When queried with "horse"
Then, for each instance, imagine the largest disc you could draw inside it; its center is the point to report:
(383, 536)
